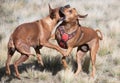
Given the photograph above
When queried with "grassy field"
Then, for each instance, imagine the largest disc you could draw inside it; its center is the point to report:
(102, 14)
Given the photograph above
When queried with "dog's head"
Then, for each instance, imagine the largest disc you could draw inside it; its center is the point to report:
(70, 14)
(55, 13)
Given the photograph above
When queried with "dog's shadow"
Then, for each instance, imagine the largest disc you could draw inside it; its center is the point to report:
(52, 64)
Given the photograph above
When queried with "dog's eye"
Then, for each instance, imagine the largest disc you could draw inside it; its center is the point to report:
(70, 11)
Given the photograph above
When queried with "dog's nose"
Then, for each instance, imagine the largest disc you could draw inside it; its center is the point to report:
(61, 12)
(61, 9)
(67, 6)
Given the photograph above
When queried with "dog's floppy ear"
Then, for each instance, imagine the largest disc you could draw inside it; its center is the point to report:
(82, 16)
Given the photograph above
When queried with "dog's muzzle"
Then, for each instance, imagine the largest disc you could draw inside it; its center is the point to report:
(62, 15)
(67, 6)
(61, 12)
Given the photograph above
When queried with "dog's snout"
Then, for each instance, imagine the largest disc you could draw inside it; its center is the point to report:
(61, 12)
(67, 6)
(61, 9)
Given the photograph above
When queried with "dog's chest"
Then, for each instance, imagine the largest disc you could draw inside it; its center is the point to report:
(64, 37)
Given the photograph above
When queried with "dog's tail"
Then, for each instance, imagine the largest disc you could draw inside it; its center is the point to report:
(11, 46)
(101, 36)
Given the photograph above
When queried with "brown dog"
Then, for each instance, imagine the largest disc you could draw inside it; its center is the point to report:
(35, 34)
(70, 34)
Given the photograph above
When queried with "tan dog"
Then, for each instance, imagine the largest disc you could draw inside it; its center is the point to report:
(71, 34)
(35, 34)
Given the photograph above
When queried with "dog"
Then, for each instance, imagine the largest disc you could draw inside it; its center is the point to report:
(70, 34)
(34, 34)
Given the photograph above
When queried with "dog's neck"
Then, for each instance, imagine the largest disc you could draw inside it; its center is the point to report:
(50, 23)
(70, 26)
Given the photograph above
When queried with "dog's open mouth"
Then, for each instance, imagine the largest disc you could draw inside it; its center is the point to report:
(62, 15)
(61, 12)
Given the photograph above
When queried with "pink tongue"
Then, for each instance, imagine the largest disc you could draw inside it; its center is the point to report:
(65, 37)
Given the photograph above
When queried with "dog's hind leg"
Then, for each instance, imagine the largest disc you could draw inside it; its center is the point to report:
(19, 61)
(10, 54)
(24, 49)
(79, 57)
(11, 50)
(39, 56)
(93, 52)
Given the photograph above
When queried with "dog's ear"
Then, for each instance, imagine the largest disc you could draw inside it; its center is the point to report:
(50, 9)
(52, 15)
(51, 12)
(82, 16)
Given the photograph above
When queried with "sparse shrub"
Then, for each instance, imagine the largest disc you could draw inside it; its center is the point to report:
(106, 46)
(0, 37)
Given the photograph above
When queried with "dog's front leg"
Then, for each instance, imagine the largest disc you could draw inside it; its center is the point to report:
(64, 62)
(64, 57)
(68, 51)
(50, 45)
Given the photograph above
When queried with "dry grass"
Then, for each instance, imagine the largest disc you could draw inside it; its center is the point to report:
(102, 14)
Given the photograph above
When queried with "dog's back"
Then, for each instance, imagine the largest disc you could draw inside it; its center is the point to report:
(27, 33)
(89, 33)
